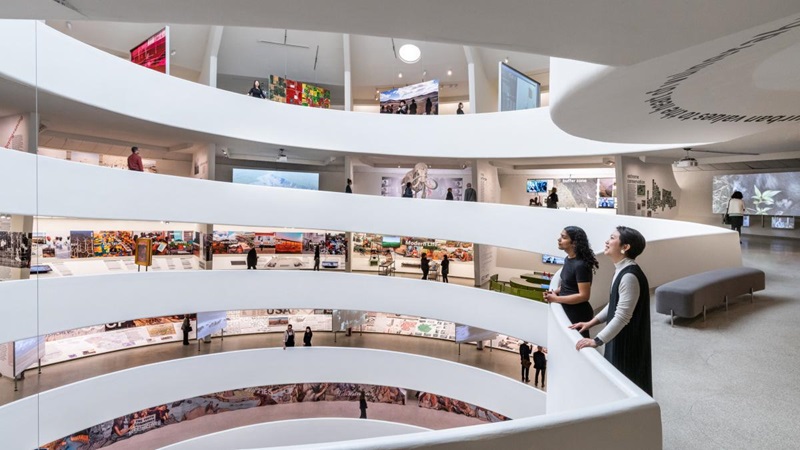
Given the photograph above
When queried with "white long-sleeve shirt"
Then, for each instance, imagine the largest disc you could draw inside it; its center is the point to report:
(628, 297)
(736, 207)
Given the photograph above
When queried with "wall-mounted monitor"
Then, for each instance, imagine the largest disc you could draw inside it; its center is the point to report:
(517, 91)
(391, 241)
(153, 53)
(277, 178)
(606, 202)
(783, 223)
(536, 186)
(550, 259)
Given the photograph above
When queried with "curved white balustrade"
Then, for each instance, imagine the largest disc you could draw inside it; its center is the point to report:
(68, 302)
(109, 396)
(748, 74)
(64, 67)
(295, 432)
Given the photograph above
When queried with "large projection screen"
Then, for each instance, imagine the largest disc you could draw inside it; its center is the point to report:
(424, 95)
(766, 194)
(517, 91)
(276, 178)
(153, 52)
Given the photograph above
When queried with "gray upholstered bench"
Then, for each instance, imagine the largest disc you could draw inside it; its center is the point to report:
(688, 297)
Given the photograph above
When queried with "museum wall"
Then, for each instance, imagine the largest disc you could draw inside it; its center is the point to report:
(513, 184)
(647, 190)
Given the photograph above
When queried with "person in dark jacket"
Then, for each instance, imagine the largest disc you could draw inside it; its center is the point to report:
(256, 91)
(445, 268)
(428, 106)
(469, 194)
(424, 264)
(449, 194)
(307, 337)
(362, 405)
(552, 200)
(186, 327)
(460, 109)
(413, 108)
(540, 364)
(252, 259)
(407, 192)
(348, 189)
(316, 258)
(525, 360)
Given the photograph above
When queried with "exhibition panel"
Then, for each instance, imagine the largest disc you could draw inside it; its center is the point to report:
(296, 432)
(72, 71)
(102, 399)
(64, 305)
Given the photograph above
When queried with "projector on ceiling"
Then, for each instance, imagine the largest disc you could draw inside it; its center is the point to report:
(685, 162)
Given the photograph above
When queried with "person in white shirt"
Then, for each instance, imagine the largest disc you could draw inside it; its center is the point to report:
(627, 316)
(736, 211)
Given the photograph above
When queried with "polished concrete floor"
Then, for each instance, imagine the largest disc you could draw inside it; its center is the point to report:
(730, 382)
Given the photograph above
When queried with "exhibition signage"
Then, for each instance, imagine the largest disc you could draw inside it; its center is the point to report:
(209, 323)
(144, 252)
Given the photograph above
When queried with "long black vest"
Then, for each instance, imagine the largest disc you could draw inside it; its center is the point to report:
(629, 351)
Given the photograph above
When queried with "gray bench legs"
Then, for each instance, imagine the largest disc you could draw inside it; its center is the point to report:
(752, 299)
(672, 318)
(726, 303)
(704, 313)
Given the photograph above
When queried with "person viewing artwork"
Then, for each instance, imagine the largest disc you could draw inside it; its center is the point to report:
(307, 337)
(449, 195)
(349, 188)
(552, 199)
(408, 192)
(539, 365)
(135, 161)
(316, 258)
(627, 316)
(413, 108)
(469, 194)
(424, 265)
(256, 91)
(736, 211)
(362, 405)
(428, 106)
(252, 258)
(525, 361)
(445, 268)
(460, 109)
(576, 276)
(288, 337)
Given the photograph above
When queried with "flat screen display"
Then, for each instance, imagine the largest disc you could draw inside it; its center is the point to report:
(276, 178)
(391, 241)
(517, 90)
(606, 202)
(746, 221)
(767, 194)
(550, 259)
(153, 53)
(536, 186)
(783, 223)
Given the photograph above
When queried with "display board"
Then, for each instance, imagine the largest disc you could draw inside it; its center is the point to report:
(15, 249)
(783, 223)
(536, 186)
(283, 90)
(27, 353)
(275, 320)
(139, 422)
(277, 178)
(153, 52)
(466, 333)
(109, 243)
(421, 97)
(209, 323)
(342, 319)
(516, 91)
(451, 405)
(771, 194)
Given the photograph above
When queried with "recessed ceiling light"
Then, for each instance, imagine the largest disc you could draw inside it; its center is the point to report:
(400, 75)
(409, 53)
(449, 73)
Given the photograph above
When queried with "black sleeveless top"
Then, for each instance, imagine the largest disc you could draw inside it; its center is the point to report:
(629, 351)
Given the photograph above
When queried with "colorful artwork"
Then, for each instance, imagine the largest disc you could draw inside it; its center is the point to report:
(15, 249)
(152, 53)
(418, 99)
(283, 90)
(451, 405)
(139, 422)
(81, 244)
(113, 243)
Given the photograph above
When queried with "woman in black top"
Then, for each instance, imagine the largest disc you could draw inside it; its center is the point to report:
(256, 91)
(407, 192)
(423, 262)
(552, 199)
(460, 109)
(445, 268)
(428, 106)
(576, 276)
(449, 195)
(307, 337)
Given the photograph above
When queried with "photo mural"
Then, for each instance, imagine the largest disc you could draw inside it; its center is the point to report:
(283, 90)
(771, 194)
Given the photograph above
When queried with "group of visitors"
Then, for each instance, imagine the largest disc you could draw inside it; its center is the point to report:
(288, 337)
(470, 195)
(627, 316)
(539, 364)
(425, 265)
(404, 108)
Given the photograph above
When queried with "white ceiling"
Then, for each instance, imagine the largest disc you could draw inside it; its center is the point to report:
(612, 32)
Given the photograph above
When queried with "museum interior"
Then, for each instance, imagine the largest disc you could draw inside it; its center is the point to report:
(218, 229)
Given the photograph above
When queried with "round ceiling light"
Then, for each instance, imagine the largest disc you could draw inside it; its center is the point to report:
(409, 53)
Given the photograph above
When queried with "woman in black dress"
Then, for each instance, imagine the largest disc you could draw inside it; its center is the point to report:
(627, 315)
(576, 276)
(424, 265)
(256, 91)
(307, 337)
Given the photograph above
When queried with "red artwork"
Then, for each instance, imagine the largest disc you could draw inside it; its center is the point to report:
(152, 53)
